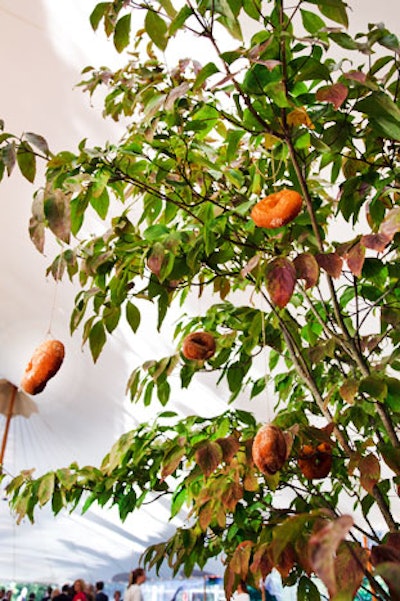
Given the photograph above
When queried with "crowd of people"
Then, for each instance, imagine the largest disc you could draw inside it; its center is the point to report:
(80, 590)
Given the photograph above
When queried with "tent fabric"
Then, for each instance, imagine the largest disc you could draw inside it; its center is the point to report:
(43, 47)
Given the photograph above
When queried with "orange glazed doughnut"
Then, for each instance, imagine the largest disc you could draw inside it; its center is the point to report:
(198, 346)
(44, 364)
(277, 209)
(315, 462)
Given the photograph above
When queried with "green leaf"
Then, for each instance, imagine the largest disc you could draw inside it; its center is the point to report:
(100, 203)
(307, 590)
(163, 391)
(180, 19)
(98, 13)
(335, 10)
(379, 107)
(207, 71)
(235, 375)
(375, 387)
(156, 29)
(26, 161)
(132, 316)
(311, 22)
(168, 7)
(344, 40)
(97, 339)
(178, 500)
(122, 32)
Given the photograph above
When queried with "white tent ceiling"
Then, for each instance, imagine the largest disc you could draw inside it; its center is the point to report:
(43, 47)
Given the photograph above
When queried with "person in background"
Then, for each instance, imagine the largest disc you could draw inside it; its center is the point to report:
(241, 593)
(79, 590)
(133, 592)
(47, 595)
(65, 594)
(117, 596)
(90, 591)
(99, 592)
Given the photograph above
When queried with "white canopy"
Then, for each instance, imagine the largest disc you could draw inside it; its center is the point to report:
(43, 47)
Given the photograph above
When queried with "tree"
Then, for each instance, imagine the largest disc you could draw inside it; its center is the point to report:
(272, 117)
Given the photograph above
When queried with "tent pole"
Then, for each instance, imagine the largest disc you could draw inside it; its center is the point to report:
(7, 427)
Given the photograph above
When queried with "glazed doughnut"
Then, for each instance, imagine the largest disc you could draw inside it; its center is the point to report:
(199, 346)
(315, 462)
(44, 364)
(277, 209)
(269, 449)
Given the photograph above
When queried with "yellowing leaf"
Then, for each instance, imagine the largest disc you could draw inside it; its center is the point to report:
(299, 116)
(348, 391)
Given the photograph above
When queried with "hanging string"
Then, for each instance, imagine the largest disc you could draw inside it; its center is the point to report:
(55, 294)
(266, 379)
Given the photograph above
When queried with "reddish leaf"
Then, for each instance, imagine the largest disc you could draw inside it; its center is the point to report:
(252, 263)
(356, 76)
(270, 64)
(323, 546)
(331, 263)
(229, 581)
(56, 206)
(172, 461)
(232, 493)
(286, 561)
(230, 446)
(37, 233)
(391, 224)
(262, 563)
(156, 258)
(241, 558)
(389, 551)
(206, 514)
(355, 259)
(370, 472)
(376, 242)
(281, 280)
(393, 540)
(383, 553)
(307, 269)
(351, 560)
(208, 457)
(336, 94)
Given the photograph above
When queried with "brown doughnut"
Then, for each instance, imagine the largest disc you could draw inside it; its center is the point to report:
(277, 209)
(199, 346)
(44, 364)
(269, 449)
